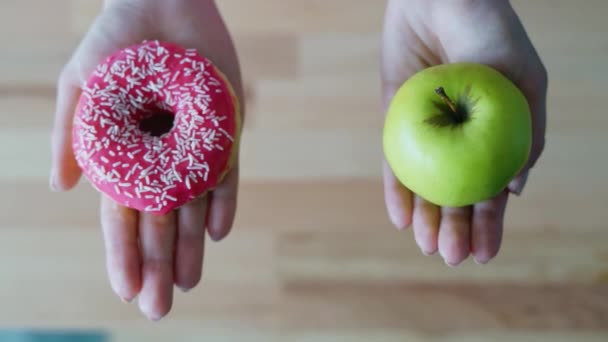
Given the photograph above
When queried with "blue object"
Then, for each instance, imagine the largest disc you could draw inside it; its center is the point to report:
(52, 336)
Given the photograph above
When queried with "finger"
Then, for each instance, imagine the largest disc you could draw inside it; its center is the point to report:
(487, 227)
(190, 243)
(64, 169)
(119, 225)
(398, 200)
(104, 37)
(157, 237)
(426, 225)
(222, 206)
(454, 234)
(397, 65)
(534, 87)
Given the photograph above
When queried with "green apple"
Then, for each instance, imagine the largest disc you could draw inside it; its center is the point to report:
(456, 134)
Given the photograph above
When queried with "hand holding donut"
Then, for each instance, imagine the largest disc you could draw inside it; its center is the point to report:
(141, 63)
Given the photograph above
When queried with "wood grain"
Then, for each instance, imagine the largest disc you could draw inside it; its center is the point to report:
(312, 256)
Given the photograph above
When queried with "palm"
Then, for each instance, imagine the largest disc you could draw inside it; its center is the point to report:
(147, 254)
(484, 32)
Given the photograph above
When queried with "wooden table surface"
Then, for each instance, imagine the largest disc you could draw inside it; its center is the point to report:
(312, 255)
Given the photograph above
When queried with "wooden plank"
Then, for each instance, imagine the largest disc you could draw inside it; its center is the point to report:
(458, 308)
(307, 206)
(379, 256)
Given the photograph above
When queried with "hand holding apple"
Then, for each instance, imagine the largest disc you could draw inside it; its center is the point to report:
(456, 74)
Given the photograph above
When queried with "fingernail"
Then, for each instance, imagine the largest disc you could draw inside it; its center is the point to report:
(451, 265)
(398, 222)
(481, 263)
(52, 182)
(217, 236)
(126, 301)
(183, 289)
(427, 253)
(154, 317)
(517, 185)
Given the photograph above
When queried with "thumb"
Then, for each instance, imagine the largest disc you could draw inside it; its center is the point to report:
(65, 172)
(398, 199)
(534, 87)
(518, 183)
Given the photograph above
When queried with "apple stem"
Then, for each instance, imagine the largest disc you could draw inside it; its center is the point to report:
(441, 92)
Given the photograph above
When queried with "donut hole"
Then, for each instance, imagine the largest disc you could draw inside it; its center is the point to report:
(157, 123)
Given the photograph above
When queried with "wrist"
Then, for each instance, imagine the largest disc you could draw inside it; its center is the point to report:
(159, 7)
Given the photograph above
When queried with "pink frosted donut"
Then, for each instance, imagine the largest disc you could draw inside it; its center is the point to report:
(139, 166)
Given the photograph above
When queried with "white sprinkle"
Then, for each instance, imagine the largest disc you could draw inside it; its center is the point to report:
(169, 187)
(179, 179)
(162, 61)
(226, 134)
(132, 171)
(145, 172)
(175, 76)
